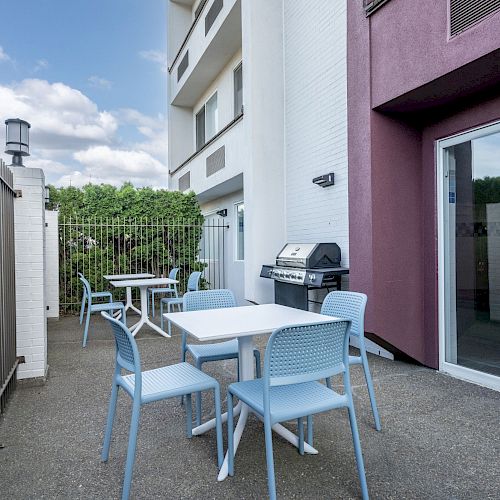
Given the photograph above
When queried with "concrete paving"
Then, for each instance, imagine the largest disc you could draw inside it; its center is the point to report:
(440, 436)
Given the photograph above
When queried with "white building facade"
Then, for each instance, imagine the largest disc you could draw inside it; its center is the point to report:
(257, 109)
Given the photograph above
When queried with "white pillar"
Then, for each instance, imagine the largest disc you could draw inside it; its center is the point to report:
(52, 263)
(29, 229)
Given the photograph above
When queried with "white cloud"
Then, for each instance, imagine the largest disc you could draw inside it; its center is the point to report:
(40, 65)
(156, 57)
(62, 116)
(75, 142)
(105, 164)
(4, 57)
(101, 83)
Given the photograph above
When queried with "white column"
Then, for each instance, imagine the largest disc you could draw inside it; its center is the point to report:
(29, 229)
(52, 263)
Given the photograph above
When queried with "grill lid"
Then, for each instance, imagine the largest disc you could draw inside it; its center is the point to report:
(309, 255)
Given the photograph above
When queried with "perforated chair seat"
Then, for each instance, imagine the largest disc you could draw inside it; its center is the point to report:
(107, 306)
(169, 381)
(289, 401)
(214, 352)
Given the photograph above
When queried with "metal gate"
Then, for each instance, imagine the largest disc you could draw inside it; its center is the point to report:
(8, 360)
(97, 247)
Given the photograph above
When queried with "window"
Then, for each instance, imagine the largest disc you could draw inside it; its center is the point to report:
(240, 231)
(238, 90)
(207, 122)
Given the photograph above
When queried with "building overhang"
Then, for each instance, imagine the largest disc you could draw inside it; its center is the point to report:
(224, 188)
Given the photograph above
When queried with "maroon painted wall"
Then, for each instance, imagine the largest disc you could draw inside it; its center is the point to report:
(403, 51)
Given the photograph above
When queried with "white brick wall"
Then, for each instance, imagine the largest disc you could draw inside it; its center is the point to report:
(52, 263)
(29, 228)
(316, 121)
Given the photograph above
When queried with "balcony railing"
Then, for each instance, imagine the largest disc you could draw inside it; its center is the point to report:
(221, 132)
(372, 5)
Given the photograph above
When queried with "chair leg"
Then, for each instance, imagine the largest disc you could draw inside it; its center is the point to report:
(152, 304)
(189, 416)
(109, 423)
(218, 426)
(300, 427)
(357, 451)
(310, 430)
(257, 364)
(161, 314)
(132, 441)
(123, 318)
(230, 434)
(82, 309)
(271, 482)
(371, 391)
(198, 399)
(87, 323)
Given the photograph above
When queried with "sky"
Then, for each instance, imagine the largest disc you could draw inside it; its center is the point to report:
(90, 77)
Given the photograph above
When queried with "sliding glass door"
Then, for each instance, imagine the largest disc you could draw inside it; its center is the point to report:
(469, 170)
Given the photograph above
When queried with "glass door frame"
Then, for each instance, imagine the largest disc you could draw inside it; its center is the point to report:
(444, 272)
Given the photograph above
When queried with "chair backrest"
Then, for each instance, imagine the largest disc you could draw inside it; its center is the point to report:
(348, 305)
(193, 281)
(127, 354)
(173, 273)
(86, 284)
(303, 353)
(208, 299)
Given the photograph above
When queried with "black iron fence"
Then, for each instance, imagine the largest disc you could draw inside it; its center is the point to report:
(8, 360)
(98, 247)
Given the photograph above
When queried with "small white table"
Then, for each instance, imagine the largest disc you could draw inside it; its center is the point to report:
(116, 277)
(243, 323)
(143, 285)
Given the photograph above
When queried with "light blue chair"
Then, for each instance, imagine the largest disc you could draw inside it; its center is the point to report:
(193, 285)
(95, 295)
(169, 290)
(102, 306)
(352, 305)
(296, 358)
(152, 385)
(203, 352)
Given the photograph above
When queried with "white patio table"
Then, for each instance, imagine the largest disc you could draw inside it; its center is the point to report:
(116, 277)
(243, 323)
(143, 285)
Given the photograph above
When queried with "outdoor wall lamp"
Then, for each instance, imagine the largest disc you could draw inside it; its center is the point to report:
(324, 180)
(222, 213)
(17, 140)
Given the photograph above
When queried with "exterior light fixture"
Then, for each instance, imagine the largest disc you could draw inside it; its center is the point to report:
(324, 180)
(17, 140)
(222, 213)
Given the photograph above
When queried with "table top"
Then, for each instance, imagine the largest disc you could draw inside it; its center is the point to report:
(144, 282)
(137, 276)
(231, 322)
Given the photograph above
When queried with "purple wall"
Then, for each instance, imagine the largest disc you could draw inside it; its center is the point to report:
(397, 60)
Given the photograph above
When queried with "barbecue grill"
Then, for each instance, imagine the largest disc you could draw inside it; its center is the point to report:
(301, 267)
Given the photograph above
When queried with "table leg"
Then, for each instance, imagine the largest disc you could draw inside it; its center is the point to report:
(128, 303)
(144, 316)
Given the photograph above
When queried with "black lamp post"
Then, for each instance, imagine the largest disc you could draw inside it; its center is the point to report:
(17, 140)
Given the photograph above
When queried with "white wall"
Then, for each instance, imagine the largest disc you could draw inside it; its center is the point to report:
(29, 230)
(262, 50)
(233, 269)
(316, 121)
(52, 263)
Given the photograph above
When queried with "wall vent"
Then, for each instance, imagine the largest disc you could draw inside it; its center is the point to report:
(183, 65)
(212, 14)
(185, 181)
(466, 13)
(216, 161)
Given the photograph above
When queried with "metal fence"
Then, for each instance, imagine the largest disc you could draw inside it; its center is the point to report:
(8, 360)
(98, 247)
